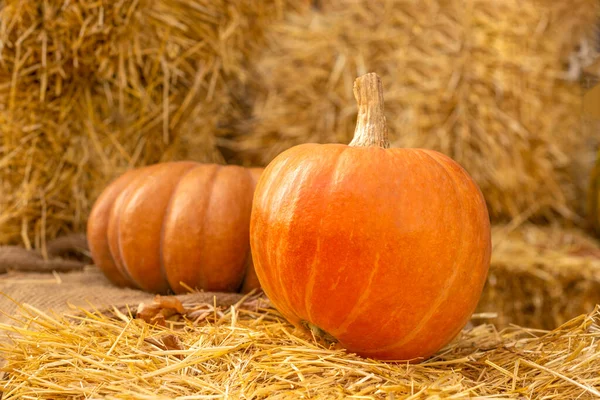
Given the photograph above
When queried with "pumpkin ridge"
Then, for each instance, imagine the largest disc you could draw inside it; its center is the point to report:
(360, 302)
(125, 200)
(141, 183)
(125, 276)
(161, 259)
(447, 286)
(352, 316)
(279, 279)
(126, 194)
(267, 181)
(102, 209)
(120, 261)
(310, 283)
(211, 187)
(121, 268)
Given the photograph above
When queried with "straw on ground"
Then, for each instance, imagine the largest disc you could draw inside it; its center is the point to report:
(249, 351)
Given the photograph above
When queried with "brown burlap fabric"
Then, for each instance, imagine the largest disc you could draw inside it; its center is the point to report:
(59, 276)
(87, 288)
(55, 283)
(65, 253)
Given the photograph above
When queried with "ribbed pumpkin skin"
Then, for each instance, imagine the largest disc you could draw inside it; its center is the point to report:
(158, 226)
(386, 250)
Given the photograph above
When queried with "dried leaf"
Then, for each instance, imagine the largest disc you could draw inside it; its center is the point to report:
(163, 308)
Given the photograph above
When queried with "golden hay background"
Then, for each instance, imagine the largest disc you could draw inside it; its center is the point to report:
(492, 84)
(540, 276)
(89, 89)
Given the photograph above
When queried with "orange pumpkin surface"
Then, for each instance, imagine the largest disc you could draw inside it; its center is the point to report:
(176, 225)
(383, 251)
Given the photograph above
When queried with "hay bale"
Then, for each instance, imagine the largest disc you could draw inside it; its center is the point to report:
(541, 276)
(249, 351)
(91, 89)
(492, 84)
(594, 198)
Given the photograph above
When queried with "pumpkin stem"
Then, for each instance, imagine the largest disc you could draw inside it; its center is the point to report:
(371, 128)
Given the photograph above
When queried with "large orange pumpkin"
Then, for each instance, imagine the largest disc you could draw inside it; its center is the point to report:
(174, 226)
(384, 251)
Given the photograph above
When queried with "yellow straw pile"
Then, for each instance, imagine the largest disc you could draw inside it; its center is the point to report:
(248, 351)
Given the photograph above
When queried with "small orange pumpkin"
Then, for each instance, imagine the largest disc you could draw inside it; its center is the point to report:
(384, 251)
(176, 225)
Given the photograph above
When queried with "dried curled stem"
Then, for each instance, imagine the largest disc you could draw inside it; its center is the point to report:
(371, 127)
